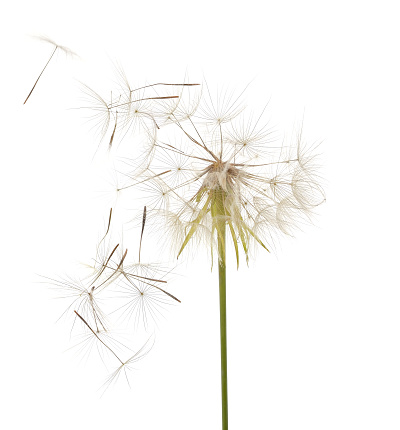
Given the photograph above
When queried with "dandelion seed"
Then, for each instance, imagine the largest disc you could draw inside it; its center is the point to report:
(126, 367)
(133, 110)
(143, 299)
(97, 337)
(66, 50)
(83, 298)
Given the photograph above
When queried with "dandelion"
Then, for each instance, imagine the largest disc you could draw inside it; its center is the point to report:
(64, 49)
(214, 174)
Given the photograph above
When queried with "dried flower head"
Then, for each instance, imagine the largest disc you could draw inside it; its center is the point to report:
(218, 166)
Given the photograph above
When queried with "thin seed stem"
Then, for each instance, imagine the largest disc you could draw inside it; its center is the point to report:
(144, 180)
(90, 328)
(114, 130)
(173, 149)
(41, 73)
(115, 270)
(105, 265)
(153, 85)
(197, 143)
(143, 99)
(108, 229)
(151, 285)
(265, 164)
(141, 235)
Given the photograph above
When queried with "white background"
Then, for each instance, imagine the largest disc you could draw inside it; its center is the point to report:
(313, 329)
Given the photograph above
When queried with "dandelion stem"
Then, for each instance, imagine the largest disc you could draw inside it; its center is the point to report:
(221, 229)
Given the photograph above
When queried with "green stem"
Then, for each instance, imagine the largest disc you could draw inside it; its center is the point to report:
(221, 231)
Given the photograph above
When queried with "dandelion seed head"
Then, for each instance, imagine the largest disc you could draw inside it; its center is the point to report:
(215, 164)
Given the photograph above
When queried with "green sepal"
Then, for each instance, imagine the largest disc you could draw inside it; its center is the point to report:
(233, 234)
(195, 224)
(257, 238)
